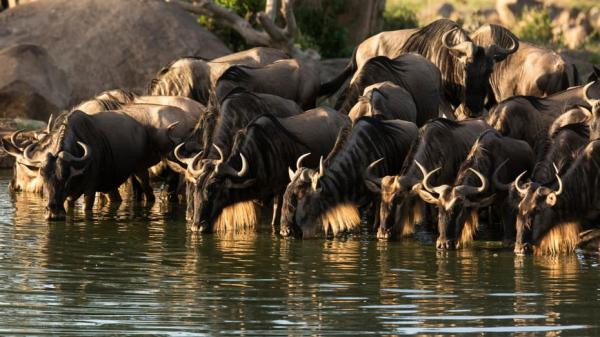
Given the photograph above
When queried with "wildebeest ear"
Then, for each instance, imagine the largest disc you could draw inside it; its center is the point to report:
(551, 199)
(291, 173)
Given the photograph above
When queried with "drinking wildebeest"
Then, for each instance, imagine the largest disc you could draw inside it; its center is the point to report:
(441, 142)
(480, 182)
(256, 168)
(327, 201)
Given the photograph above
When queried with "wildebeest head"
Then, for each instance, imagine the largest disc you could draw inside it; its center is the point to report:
(457, 215)
(299, 186)
(214, 193)
(61, 175)
(594, 102)
(477, 63)
(535, 212)
(393, 192)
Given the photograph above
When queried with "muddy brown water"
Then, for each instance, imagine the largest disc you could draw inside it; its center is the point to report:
(136, 271)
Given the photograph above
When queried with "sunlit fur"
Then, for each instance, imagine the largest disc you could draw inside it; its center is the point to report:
(340, 219)
(560, 239)
(470, 229)
(412, 213)
(239, 217)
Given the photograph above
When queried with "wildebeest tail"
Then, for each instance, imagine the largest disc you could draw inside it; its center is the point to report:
(329, 88)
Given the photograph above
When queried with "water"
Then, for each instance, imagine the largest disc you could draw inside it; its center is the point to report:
(135, 271)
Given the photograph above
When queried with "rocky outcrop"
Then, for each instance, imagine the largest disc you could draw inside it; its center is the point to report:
(97, 45)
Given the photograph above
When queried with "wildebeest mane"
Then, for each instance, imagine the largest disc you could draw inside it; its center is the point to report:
(377, 69)
(180, 83)
(341, 139)
(267, 134)
(427, 42)
(370, 140)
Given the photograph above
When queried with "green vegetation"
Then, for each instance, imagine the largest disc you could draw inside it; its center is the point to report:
(536, 26)
(399, 16)
(318, 28)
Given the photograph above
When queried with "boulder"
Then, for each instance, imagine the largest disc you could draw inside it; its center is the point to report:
(106, 44)
(31, 84)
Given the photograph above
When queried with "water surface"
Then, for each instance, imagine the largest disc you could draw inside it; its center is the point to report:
(136, 271)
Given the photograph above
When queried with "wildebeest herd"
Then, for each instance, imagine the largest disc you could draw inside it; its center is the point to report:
(431, 125)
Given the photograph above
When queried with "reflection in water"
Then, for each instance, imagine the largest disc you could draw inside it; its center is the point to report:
(136, 270)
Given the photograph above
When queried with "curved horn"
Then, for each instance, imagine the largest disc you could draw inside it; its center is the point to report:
(499, 53)
(321, 167)
(191, 167)
(186, 160)
(13, 138)
(221, 156)
(300, 159)
(291, 172)
(426, 176)
(446, 36)
(560, 185)
(50, 123)
(470, 190)
(496, 180)
(27, 156)
(242, 172)
(369, 173)
(588, 99)
(522, 191)
(64, 155)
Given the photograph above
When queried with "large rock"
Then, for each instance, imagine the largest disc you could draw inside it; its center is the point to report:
(510, 11)
(106, 44)
(30, 83)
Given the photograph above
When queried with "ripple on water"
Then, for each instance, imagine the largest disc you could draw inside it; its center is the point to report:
(135, 270)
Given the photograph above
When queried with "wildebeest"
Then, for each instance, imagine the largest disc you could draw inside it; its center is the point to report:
(385, 100)
(529, 118)
(256, 168)
(560, 152)
(441, 142)
(195, 77)
(26, 177)
(530, 71)
(551, 217)
(292, 79)
(412, 72)
(219, 127)
(92, 153)
(493, 158)
(465, 66)
(328, 200)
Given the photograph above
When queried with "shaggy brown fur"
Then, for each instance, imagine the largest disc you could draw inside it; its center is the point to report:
(340, 219)
(239, 217)
(560, 239)
(470, 228)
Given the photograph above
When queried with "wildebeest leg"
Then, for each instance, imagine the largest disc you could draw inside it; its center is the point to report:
(136, 188)
(144, 180)
(509, 219)
(276, 212)
(172, 182)
(114, 196)
(89, 198)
